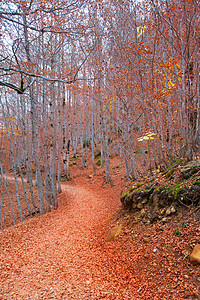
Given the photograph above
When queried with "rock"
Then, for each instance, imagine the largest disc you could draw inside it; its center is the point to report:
(165, 220)
(173, 209)
(195, 255)
(139, 205)
(145, 200)
(168, 211)
(142, 213)
(155, 200)
(190, 168)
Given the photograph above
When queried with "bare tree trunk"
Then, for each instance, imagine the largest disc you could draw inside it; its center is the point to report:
(24, 188)
(59, 142)
(53, 150)
(92, 135)
(35, 138)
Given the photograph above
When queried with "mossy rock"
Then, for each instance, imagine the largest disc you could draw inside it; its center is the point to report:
(190, 168)
(141, 184)
(134, 188)
(161, 189)
(149, 190)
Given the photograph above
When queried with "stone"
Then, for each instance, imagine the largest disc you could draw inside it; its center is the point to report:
(139, 205)
(168, 211)
(164, 220)
(173, 209)
(142, 213)
(145, 200)
(155, 200)
(190, 168)
(195, 255)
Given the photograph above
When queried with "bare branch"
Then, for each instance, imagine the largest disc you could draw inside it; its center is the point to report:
(12, 86)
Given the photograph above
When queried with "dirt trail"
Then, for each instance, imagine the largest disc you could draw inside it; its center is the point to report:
(63, 254)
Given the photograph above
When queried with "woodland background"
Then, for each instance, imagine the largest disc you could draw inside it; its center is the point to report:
(120, 76)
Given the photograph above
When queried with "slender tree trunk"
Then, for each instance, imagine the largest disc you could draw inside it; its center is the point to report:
(24, 188)
(35, 143)
(53, 150)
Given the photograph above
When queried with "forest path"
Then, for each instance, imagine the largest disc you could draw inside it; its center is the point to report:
(63, 254)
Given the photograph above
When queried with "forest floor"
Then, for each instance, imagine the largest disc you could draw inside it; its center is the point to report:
(66, 254)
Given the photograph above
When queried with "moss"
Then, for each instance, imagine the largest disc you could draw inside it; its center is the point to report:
(196, 182)
(172, 166)
(177, 189)
(129, 195)
(140, 184)
(160, 189)
(123, 194)
(131, 188)
(149, 189)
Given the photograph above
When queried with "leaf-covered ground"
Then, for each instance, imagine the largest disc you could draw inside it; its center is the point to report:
(65, 254)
